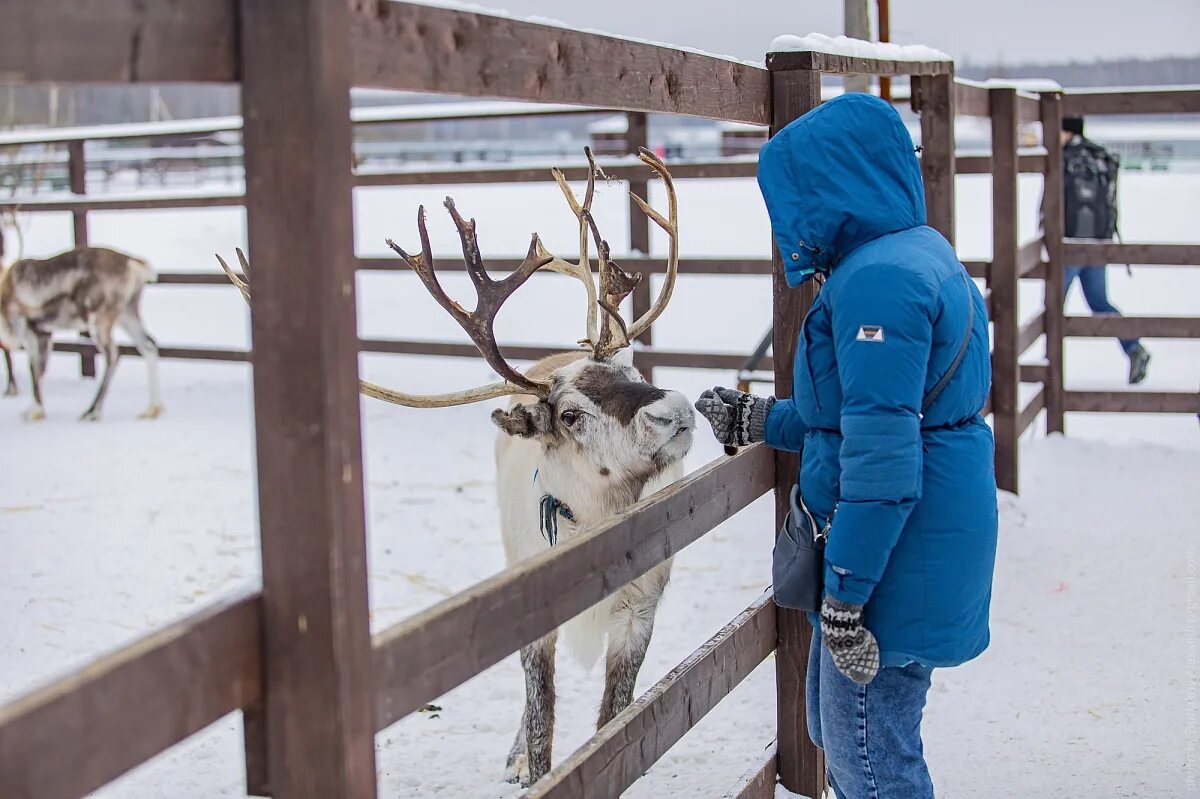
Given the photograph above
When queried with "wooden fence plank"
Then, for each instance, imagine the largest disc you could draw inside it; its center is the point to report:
(619, 170)
(832, 64)
(118, 41)
(1033, 372)
(214, 199)
(981, 164)
(448, 51)
(933, 99)
(1029, 257)
(77, 179)
(759, 782)
(317, 659)
(75, 735)
(642, 733)
(1053, 224)
(971, 99)
(1004, 283)
(1030, 332)
(431, 653)
(1030, 412)
(1133, 401)
(801, 764)
(1085, 252)
(1175, 100)
(1132, 326)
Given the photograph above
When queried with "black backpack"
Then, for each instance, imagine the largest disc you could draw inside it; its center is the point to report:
(1090, 181)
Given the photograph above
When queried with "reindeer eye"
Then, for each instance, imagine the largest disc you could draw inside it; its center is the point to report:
(569, 417)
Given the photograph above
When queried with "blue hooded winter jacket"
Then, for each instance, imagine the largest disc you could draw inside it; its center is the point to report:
(912, 498)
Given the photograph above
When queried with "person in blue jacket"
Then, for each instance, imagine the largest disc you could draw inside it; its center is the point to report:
(907, 493)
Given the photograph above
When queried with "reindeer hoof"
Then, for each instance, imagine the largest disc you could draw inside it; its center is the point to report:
(90, 416)
(518, 771)
(35, 414)
(153, 412)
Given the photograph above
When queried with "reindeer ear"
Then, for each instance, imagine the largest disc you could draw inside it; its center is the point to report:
(526, 421)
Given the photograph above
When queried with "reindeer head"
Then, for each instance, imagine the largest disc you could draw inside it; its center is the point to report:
(595, 404)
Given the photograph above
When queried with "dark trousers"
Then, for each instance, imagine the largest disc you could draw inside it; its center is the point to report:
(1094, 282)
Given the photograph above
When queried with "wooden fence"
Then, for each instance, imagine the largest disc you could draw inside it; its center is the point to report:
(298, 657)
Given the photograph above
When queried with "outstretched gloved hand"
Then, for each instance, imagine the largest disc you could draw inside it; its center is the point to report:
(737, 418)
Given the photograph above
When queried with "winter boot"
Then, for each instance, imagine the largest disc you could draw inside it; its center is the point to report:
(1139, 362)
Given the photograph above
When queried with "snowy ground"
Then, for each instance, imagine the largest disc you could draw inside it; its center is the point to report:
(111, 530)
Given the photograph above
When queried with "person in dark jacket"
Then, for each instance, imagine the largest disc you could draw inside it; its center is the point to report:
(908, 497)
(1090, 189)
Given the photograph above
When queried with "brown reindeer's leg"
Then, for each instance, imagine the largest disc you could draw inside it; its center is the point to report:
(537, 723)
(103, 336)
(630, 628)
(37, 344)
(131, 323)
(10, 384)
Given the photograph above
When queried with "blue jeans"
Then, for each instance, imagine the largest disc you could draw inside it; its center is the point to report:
(871, 733)
(1094, 282)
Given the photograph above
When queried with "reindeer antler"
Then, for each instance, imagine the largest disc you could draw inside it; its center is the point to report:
(604, 337)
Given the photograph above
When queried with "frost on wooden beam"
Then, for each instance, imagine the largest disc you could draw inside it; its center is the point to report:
(431, 653)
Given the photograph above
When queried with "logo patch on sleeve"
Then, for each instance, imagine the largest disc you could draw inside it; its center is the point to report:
(871, 333)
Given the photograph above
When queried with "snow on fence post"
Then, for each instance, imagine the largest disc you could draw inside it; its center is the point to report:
(933, 100)
(318, 713)
(77, 179)
(794, 92)
(1004, 279)
(637, 135)
(1053, 231)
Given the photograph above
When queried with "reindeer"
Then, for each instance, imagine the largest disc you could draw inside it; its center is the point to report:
(87, 288)
(583, 436)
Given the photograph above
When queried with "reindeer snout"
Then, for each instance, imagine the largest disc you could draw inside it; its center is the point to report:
(672, 414)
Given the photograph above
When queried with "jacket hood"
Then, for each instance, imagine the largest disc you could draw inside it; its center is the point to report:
(838, 177)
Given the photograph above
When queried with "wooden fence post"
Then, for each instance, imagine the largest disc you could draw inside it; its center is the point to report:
(1052, 226)
(933, 99)
(77, 181)
(1003, 283)
(637, 135)
(318, 710)
(801, 764)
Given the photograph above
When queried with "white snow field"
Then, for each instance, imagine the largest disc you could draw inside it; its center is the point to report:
(110, 530)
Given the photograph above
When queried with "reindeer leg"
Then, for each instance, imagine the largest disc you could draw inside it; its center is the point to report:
(103, 336)
(37, 344)
(131, 323)
(630, 628)
(10, 386)
(537, 723)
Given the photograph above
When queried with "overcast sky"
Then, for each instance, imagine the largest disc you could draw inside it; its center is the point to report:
(981, 30)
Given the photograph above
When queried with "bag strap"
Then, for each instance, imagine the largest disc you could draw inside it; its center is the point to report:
(934, 392)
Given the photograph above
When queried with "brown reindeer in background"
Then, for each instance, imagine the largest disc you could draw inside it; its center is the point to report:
(87, 288)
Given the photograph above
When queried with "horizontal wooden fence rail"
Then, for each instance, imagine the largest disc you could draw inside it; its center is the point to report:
(1086, 252)
(1030, 163)
(1133, 401)
(642, 733)
(1174, 100)
(1029, 413)
(1132, 326)
(422, 658)
(759, 781)
(81, 732)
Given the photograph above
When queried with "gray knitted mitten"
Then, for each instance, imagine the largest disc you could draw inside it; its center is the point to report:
(737, 418)
(854, 649)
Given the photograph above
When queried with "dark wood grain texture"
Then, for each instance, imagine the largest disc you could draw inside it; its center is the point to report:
(933, 100)
(1086, 252)
(642, 733)
(77, 180)
(831, 64)
(448, 51)
(118, 41)
(801, 764)
(1180, 100)
(1030, 332)
(717, 265)
(619, 170)
(981, 164)
(296, 107)
(1054, 275)
(1004, 280)
(1133, 401)
(78, 733)
(431, 653)
(1029, 413)
(1133, 326)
